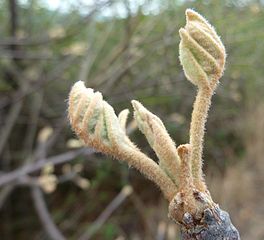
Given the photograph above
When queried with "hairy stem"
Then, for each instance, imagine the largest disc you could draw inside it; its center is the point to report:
(197, 130)
(186, 179)
(150, 169)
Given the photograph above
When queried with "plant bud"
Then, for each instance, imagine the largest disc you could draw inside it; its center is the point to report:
(147, 122)
(158, 138)
(202, 53)
(94, 120)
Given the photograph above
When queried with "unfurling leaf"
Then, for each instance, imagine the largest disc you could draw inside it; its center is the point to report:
(94, 120)
(154, 130)
(122, 117)
(96, 123)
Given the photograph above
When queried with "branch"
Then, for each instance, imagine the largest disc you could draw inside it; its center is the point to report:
(10, 121)
(59, 159)
(116, 202)
(197, 131)
(44, 39)
(42, 81)
(44, 215)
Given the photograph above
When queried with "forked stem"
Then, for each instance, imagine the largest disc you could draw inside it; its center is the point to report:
(150, 169)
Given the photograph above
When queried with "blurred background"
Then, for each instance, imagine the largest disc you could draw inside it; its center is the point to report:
(51, 187)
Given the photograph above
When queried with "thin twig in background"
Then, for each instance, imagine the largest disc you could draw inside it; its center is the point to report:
(91, 56)
(44, 215)
(53, 76)
(42, 39)
(111, 65)
(30, 182)
(6, 178)
(10, 121)
(140, 208)
(43, 148)
(116, 202)
(31, 131)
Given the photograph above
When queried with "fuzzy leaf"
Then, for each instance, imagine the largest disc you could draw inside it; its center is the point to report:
(202, 53)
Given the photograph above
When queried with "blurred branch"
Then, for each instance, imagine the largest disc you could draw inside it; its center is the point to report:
(114, 204)
(111, 77)
(23, 54)
(10, 121)
(33, 119)
(44, 39)
(44, 80)
(111, 68)
(91, 56)
(44, 215)
(6, 178)
(13, 17)
(140, 208)
(43, 147)
(31, 182)
(15, 109)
